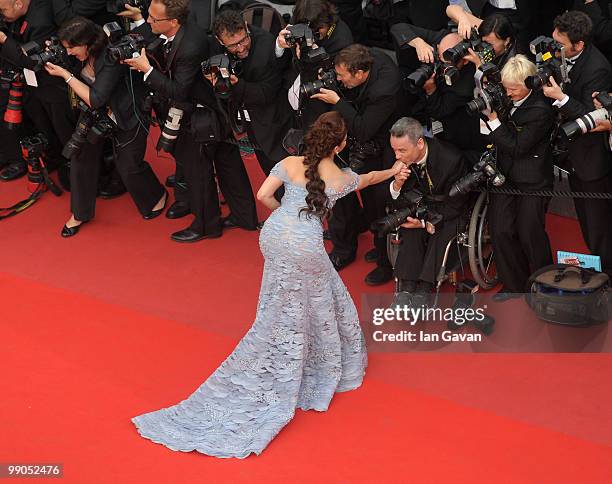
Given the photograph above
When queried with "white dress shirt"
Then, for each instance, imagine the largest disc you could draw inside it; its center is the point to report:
(421, 162)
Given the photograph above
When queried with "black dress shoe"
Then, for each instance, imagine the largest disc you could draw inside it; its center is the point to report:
(156, 213)
(229, 223)
(378, 276)
(171, 181)
(504, 295)
(189, 235)
(178, 210)
(112, 189)
(70, 231)
(340, 262)
(14, 171)
(371, 255)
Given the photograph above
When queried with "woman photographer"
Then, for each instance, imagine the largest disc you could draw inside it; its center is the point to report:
(113, 90)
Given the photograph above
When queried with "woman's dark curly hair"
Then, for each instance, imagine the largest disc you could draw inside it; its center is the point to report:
(324, 135)
(82, 31)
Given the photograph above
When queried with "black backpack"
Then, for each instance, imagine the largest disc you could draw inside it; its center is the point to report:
(259, 14)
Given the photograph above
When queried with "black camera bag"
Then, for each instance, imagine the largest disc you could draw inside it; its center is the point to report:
(570, 295)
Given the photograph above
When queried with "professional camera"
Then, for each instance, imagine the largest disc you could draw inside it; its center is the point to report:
(13, 81)
(550, 59)
(483, 49)
(588, 122)
(122, 46)
(51, 51)
(415, 206)
(359, 152)
(33, 150)
(170, 130)
(444, 72)
(116, 6)
(93, 126)
(327, 79)
(223, 67)
(492, 96)
(485, 170)
(302, 35)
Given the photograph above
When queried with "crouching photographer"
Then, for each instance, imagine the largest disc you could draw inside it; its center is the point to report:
(177, 47)
(369, 83)
(418, 195)
(522, 138)
(112, 105)
(316, 34)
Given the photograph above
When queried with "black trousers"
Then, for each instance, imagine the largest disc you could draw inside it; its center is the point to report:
(348, 218)
(197, 161)
(521, 244)
(421, 254)
(55, 118)
(137, 175)
(595, 217)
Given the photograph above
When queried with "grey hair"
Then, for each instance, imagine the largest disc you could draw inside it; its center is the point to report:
(409, 127)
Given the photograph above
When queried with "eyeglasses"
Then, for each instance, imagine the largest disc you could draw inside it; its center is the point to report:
(155, 20)
(241, 43)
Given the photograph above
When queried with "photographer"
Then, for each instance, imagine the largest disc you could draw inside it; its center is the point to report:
(178, 82)
(588, 156)
(254, 105)
(371, 84)
(330, 33)
(117, 96)
(524, 157)
(602, 24)
(433, 167)
(46, 100)
(442, 105)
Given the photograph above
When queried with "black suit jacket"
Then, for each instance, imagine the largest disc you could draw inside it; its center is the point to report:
(445, 165)
(182, 80)
(602, 25)
(112, 88)
(37, 25)
(258, 90)
(588, 154)
(375, 107)
(94, 10)
(523, 143)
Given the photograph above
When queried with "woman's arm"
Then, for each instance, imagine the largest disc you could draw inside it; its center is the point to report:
(80, 88)
(464, 20)
(374, 177)
(266, 192)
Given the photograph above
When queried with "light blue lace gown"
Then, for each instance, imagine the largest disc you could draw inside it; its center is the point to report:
(305, 344)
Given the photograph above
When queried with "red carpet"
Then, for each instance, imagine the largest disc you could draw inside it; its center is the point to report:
(120, 320)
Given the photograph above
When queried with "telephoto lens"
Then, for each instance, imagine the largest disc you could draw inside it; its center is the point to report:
(170, 130)
(13, 116)
(584, 124)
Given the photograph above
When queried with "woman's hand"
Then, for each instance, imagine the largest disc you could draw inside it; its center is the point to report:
(474, 58)
(57, 71)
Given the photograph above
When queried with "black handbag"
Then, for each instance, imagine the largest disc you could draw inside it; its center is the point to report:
(205, 125)
(570, 295)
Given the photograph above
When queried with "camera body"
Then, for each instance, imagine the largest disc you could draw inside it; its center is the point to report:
(360, 152)
(550, 59)
(327, 79)
(54, 52)
(33, 147)
(483, 49)
(222, 66)
(116, 6)
(588, 122)
(93, 126)
(492, 96)
(302, 35)
(444, 72)
(122, 46)
(484, 171)
(7, 75)
(414, 205)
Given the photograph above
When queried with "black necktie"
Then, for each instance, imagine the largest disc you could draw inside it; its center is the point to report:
(167, 47)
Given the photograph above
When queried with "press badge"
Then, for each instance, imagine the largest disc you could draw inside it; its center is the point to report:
(30, 78)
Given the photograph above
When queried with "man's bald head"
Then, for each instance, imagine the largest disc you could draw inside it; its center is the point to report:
(13, 10)
(447, 42)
